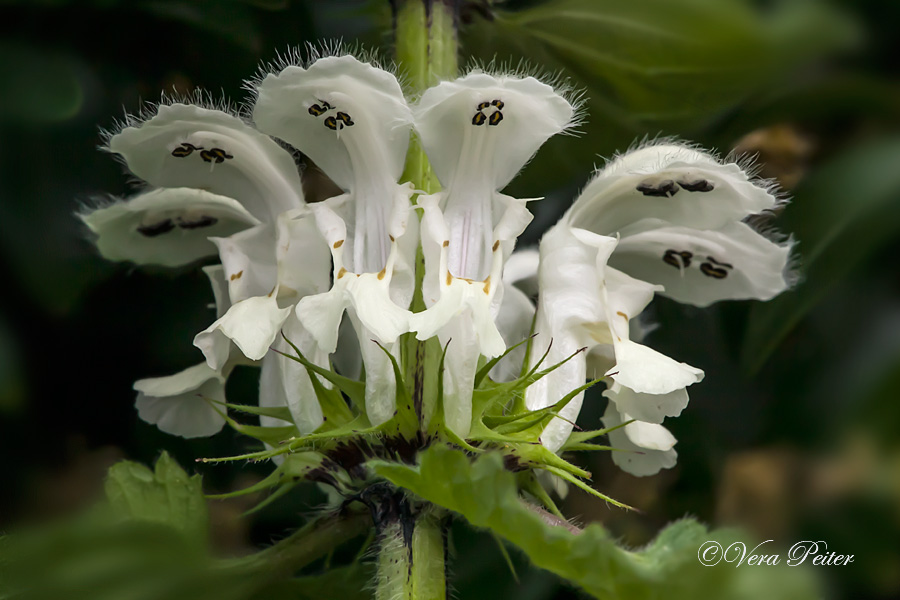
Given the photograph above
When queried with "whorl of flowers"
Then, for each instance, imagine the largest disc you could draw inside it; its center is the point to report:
(326, 298)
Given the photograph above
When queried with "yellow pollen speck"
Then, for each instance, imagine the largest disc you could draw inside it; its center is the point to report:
(487, 285)
(342, 272)
(621, 314)
(338, 244)
(392, 238)
(496, 245)
(446, 243)
(449, 278)
(381, 274)
(236, 275)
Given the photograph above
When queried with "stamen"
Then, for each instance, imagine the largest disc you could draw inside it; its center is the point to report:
(202, 221)
(679, 260)
(700, 185)
(185, 149)
(663, 189)
(156, 228)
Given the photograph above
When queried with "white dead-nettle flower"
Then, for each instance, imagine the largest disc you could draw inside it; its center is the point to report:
(478, 133)
(664, 219)
(352, 120)
(216, 176)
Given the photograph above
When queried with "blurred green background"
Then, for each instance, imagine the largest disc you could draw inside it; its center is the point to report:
(795, 432)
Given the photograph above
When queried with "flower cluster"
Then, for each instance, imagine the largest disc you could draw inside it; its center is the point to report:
(301, 286)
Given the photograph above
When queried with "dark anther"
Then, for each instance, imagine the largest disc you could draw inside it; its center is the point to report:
(721, 264)
(701, 185)
(215, 154)
(711, 271)
(663, 189)
(678, 259)
(331, 123)
(200, 222)
(494, 119)
(185, 149)
(345, 118)
(316, 110)
(156, 228)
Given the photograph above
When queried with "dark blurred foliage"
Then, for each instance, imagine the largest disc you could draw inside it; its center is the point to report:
(794, 432)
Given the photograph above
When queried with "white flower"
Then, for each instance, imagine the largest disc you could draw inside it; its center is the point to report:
(667, 219)
(478, 132)
(641, 448)
(352, 120)
(680, 215)
(226, 187)
(216, 174)
(183, 404)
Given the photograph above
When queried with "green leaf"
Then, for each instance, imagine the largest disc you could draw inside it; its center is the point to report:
(843, 213)
(485, 493)
(165, 495)
(654, 65)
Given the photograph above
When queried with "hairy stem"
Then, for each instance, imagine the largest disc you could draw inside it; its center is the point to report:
(411, 559)
(426, 50)
(411, 556)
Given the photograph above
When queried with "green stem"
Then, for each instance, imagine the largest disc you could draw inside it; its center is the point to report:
(426, 51)
(411, 559)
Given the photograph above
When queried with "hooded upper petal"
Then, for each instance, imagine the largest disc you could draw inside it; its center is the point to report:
(674, 183)
(168, 227)
(701, 267)
(352, 120)
(486, 128)
(184, 145)
(679, 213)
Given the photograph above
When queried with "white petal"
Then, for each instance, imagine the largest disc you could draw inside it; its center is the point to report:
(626, 297)
(448, 296)
(642, 448)
(522, 267)
(189, 146)
(702, 267)
(252, 324)
(570, 312)
(460, 366)
(168, 227)
(572, 273)
(219, 284)
(381, 386)
(647, 371)
(676, 184)
(295, 105)
(178, 404)
(249, 261)
(303, 256)
(285, 382)
(650, 408)
(488, 154)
